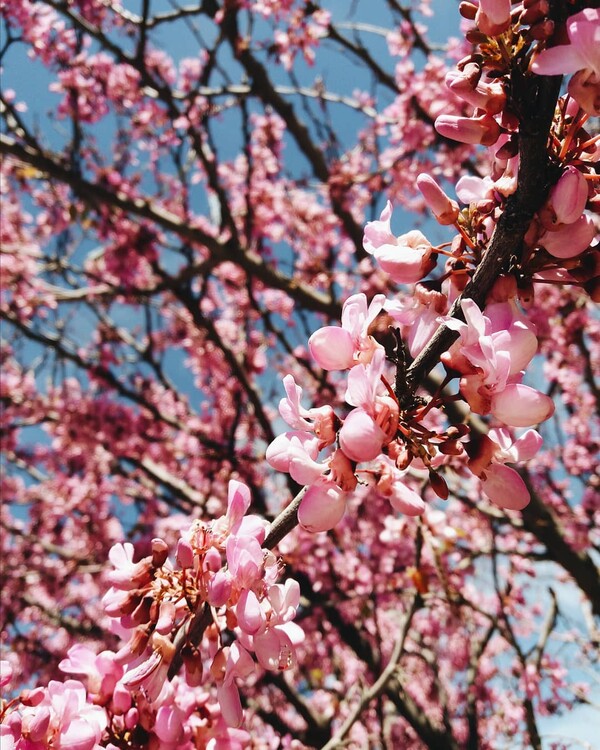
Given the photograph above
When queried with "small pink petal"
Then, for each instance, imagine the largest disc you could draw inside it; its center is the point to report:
(79, 735)
(322, 506)
(167, 725)
(238, 500)
(527, 446)
(405, 500)
(249, 613)
(571, 239)
(360, 437)
(520, 405)
(505, 488)
(332, 348)
(231, 706)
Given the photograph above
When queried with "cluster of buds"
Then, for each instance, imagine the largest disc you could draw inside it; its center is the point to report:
(223, 577)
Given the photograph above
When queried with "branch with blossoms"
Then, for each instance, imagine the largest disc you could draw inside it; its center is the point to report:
(199, 614)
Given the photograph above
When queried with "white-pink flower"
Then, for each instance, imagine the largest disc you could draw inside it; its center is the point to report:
(581, 56)
(335, 348)
(407, 259)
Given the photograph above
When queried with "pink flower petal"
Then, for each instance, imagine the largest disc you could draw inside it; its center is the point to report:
(249, 613)
(520, 405)
(405, 500)
(505, 488)
(332, 348)
(360, 437)
(322, 506)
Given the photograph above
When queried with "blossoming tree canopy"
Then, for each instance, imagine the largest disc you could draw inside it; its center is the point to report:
(299, 374)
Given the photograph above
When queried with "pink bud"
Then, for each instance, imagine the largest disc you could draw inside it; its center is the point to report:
(219, 588)
(184, 554)
(568, 197)
(505, 488)
(249, 613)
(483, 129)
(121, 699)
(167, 725)
(408, 260)
(332, 348)
(160, 552)
(571, 239)
(520, 405)
(445, 209)
(166, 618)
(322, 506)
(238, 501)
(493, 16)
(231, 705)
(361, 438)
(132, 718)
(406, 501)
(497, 11)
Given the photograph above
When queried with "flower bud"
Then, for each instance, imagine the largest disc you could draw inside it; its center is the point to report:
(361, 438)
(444, 209)
(184, 554)
(567, 199)
(322, 506)
(483, 129)
(160, 552)
(571, 239)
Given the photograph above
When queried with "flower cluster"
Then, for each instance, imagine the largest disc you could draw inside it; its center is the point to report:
(58, 716)
(221, 572)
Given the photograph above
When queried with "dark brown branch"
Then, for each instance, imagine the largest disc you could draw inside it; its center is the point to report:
(95, 196)
(538, 96)
(541, 521)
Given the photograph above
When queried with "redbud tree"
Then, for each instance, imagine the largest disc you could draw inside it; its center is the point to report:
(299, 373)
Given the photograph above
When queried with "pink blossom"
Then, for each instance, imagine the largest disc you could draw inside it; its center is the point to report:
(444, 209)
(322, 506)
(238, 502)
(407, 259)
(296, 453)
(321, 420)
(150, 675)
(392, 486)
(491, 354)
(519, 405)
(482, 129)
(274, 647)
(504, 487)
(64, 719)
(476, 92)
(168, 726)
(581, 56)
(569, 240)
(502, 484)
(567, 199)
(250, 615)
(127, 574)
(361, 438)
(493, 16)
(335, 348)
(420, 316)
(6, 673)
(231, 662)
(244, 560)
